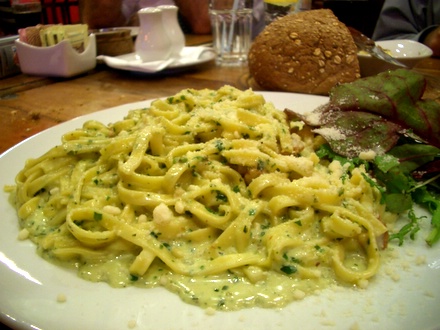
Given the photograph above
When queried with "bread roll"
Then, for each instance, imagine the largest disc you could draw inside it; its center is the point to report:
(305, 52)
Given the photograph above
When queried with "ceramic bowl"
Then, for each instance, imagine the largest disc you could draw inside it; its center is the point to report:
(408, 52)
(60, 60)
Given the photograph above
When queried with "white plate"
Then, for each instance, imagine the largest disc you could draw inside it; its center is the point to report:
(189, 56)
(404, 295)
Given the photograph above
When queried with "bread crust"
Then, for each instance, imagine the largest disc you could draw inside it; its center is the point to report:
(306, 52)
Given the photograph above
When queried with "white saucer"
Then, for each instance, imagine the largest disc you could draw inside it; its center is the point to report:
(189, 57)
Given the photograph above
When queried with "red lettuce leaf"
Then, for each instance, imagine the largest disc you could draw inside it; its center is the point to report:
(393, 100)
(427, 170)
(395, 95)
(349, 133)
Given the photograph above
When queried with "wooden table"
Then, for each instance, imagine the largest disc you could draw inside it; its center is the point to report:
(30, 104)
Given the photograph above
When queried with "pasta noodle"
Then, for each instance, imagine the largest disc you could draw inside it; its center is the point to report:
(209, 193)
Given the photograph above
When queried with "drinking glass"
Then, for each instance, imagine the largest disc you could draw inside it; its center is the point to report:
(231, 22)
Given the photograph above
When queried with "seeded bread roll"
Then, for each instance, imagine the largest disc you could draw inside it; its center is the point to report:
(306, 52)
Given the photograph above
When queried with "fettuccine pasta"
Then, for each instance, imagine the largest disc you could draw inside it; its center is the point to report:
(212, 194)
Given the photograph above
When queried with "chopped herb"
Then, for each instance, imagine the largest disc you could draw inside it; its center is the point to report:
(289, 269)
(261, 164)
(318, 248)
(166, 245)
(295, 260)
(155, 235)
(221, 196)
(219, 145)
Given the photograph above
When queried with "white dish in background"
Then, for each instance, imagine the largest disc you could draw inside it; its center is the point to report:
(408, 52)
(405, 295)
(60, 60)
(189, 56)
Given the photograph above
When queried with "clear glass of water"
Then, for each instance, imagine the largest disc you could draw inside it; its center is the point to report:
(231, 22)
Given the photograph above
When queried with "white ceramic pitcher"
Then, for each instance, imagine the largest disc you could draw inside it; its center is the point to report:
(172, 27)
(152, 42)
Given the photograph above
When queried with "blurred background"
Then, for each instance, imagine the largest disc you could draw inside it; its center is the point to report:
(360, 14)
(46, 12)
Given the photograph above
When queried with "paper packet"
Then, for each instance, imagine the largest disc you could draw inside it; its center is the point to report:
(77, 34)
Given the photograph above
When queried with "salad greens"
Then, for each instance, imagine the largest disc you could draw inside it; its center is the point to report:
(397, 97)
(385, 116)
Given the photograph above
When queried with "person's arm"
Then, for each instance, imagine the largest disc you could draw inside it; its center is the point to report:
(196, 14)
(102, 13)
(399, 19)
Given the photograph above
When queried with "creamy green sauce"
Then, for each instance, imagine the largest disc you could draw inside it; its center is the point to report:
(229, 291)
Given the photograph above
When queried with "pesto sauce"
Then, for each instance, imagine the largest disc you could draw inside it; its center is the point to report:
(228, 291)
